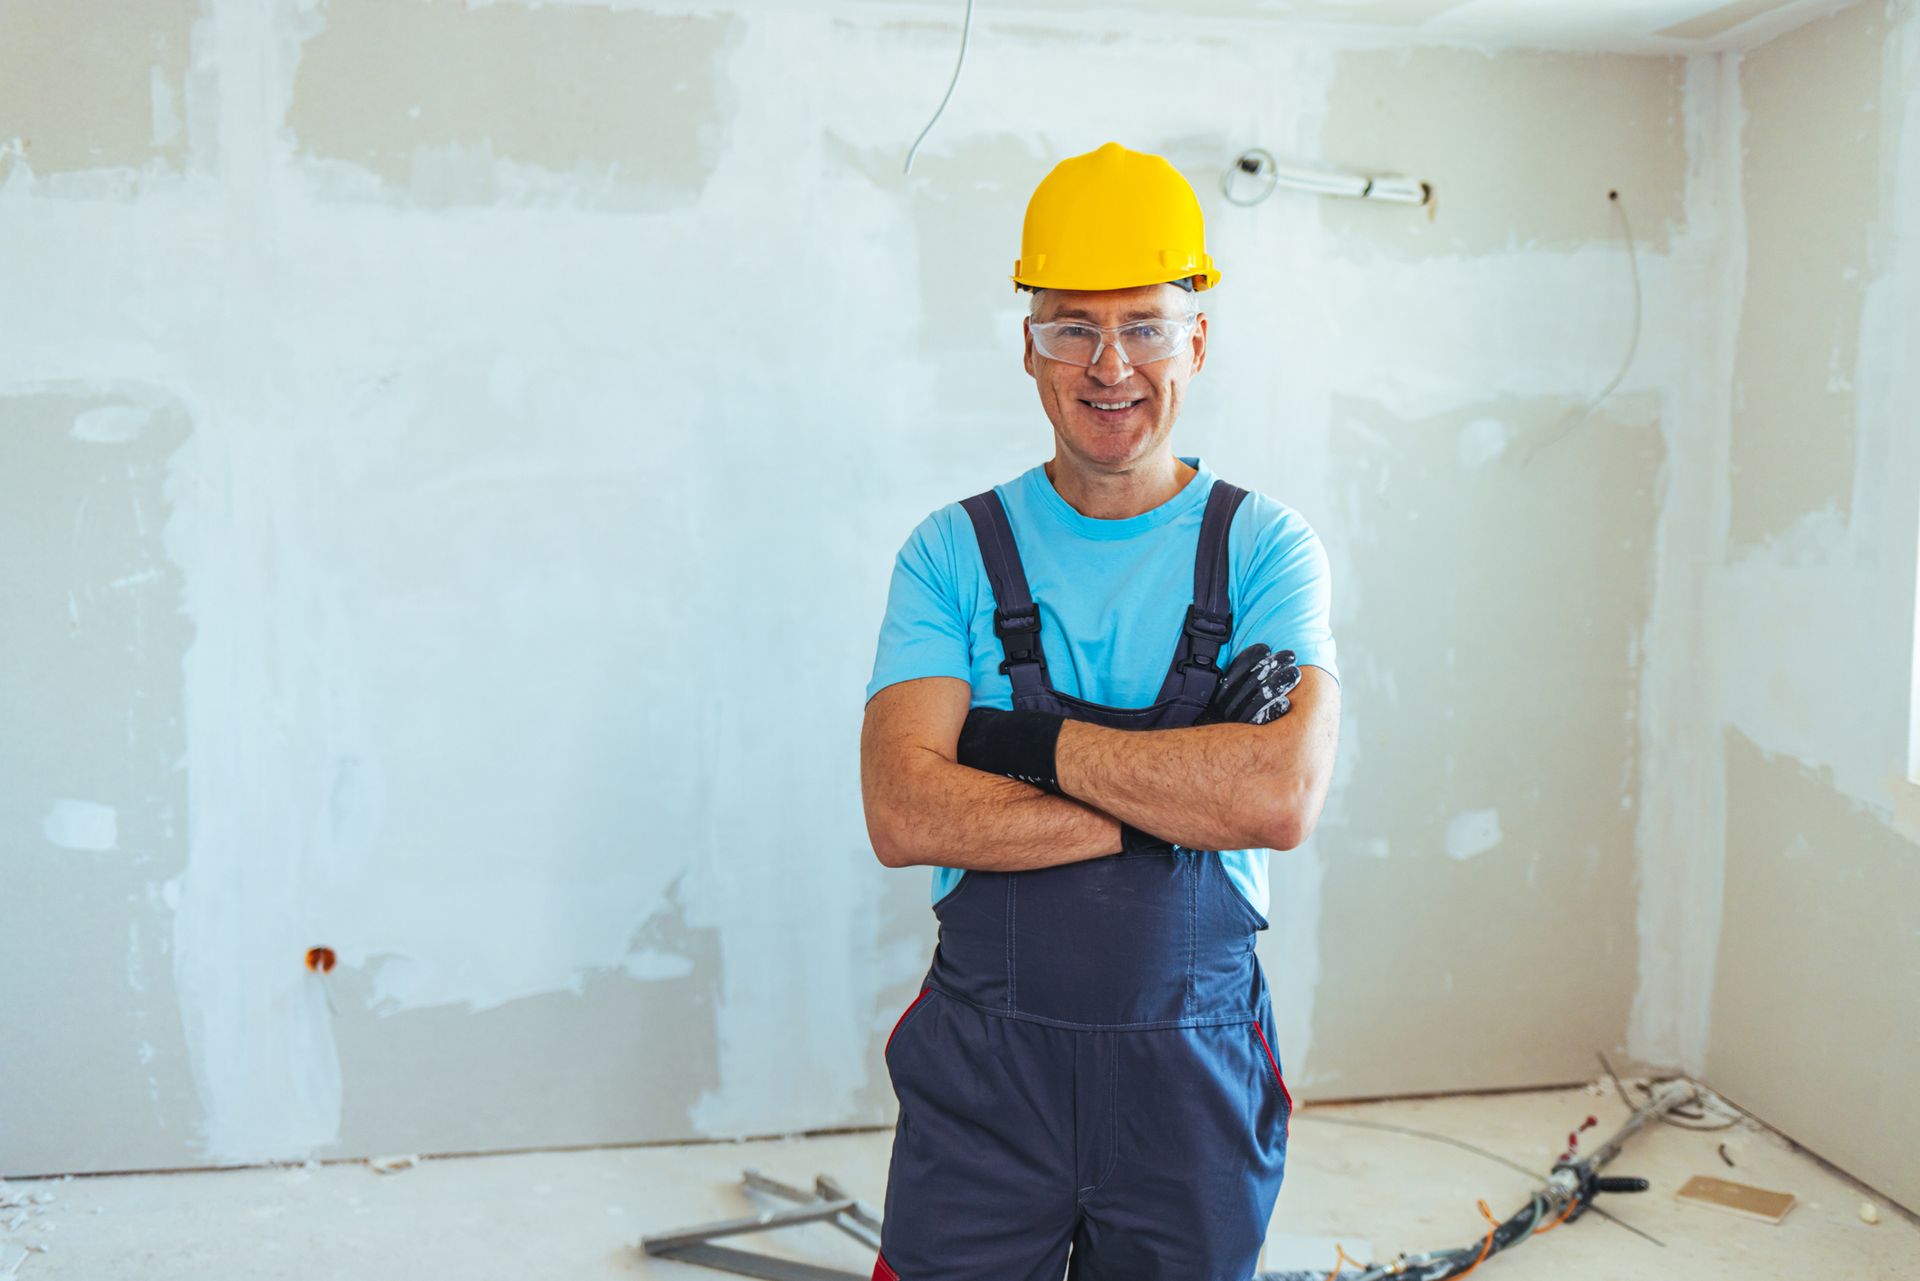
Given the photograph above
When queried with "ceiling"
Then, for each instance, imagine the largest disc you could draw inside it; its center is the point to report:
(1638, 26)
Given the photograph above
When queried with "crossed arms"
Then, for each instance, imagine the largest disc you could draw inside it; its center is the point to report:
(1207, 787)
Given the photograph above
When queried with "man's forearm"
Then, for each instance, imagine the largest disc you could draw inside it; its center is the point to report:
(935, 812)
(1207, 787)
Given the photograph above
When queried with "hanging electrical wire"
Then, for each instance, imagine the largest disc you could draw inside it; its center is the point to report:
(1566, 422)
(966, 33)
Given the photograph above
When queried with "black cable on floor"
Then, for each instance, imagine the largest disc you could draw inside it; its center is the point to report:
(1308, 1115)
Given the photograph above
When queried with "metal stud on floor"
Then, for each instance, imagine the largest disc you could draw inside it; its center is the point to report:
(827, 1203)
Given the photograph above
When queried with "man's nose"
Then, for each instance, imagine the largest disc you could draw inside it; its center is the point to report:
(1110, 369)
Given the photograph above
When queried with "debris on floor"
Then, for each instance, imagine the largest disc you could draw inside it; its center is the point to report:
(827, 1203)
(392, 1164)
(1563, 1196)
(1740, 1198)
(22, 1213)
(1357, 1180)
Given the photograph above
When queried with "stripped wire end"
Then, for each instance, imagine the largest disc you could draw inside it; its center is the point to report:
(1341, 1256)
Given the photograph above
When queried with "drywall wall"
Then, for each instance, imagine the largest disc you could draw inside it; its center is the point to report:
(1493, 524)
(454, 534)
(1809, 639)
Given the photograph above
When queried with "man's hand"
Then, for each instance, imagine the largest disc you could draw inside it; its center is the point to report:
(1254, 688)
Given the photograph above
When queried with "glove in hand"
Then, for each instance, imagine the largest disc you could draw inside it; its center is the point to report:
(1254, 688)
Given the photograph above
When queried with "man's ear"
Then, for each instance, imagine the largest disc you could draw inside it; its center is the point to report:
(1199, 341)
(1026, 357)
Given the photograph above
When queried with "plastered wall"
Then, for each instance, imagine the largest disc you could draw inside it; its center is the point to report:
(1809, 625)
(451, 462)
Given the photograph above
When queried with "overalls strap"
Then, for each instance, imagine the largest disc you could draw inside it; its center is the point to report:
(1195, 674)
(1016, 620)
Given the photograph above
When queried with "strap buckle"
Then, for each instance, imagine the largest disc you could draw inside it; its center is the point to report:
(1019, 635)
(1206, 632)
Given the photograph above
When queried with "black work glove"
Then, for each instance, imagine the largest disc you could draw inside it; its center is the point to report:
(1017, 744)
(1254, 688)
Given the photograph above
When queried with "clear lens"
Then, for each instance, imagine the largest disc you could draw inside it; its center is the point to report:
(1075, 342)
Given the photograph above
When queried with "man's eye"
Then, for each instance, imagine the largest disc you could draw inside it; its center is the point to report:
(1074, 331)
(1147, 333)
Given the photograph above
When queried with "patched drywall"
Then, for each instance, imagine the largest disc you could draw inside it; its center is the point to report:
(1816, 1003)
(1495, 695)
(620, 102)
(94, 84)
(1809, 604)
(534, 485)
(92, 804)
(1507, 179)
(1806, 159)
(1677, 838)
(598, 1048)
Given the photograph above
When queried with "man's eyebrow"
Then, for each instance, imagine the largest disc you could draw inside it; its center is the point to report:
(1076, 313)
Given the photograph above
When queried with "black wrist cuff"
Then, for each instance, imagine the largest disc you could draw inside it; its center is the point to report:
(1135, 841)
(1017, 744)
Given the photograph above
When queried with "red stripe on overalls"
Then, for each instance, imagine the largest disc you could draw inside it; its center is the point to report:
(925, 992)
(1276, 1075)
(883, 1271)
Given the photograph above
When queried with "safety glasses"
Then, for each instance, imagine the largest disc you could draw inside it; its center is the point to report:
(1139, 342)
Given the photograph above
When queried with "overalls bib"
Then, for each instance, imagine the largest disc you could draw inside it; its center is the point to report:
(1090, 1062)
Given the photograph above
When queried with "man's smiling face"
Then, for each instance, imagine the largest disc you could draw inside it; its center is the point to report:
(1111, 416)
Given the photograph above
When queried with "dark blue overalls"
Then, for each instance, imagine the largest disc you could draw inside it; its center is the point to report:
(1090, 1062)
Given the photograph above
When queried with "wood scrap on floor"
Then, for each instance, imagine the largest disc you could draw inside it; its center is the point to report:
(1740, 1198)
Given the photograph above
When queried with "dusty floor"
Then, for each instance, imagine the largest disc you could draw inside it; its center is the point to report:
(560, 1215)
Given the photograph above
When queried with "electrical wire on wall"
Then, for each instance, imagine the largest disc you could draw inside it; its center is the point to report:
(1567, 421)
(1255, 174)
(966, 32)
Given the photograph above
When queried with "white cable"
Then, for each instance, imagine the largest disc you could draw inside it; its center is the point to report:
(1633, 344)
(966, 30)
(1563, 426)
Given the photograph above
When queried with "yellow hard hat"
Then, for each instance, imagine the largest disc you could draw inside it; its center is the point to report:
(1113, 219)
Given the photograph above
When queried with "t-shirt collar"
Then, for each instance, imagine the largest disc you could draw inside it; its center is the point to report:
(1191, 495)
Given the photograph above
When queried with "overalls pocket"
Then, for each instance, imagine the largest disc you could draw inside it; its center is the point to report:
(901, 1022)
(1286, 1096)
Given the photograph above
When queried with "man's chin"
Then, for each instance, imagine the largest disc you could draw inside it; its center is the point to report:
(1113, 450)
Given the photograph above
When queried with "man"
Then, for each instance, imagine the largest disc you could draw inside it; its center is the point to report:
(1089, 1072)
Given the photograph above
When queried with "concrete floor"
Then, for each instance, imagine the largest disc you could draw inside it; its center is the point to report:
(561, 1215)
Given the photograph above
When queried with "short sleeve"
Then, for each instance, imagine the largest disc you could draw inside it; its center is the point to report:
(924, 632)
(1284, 595)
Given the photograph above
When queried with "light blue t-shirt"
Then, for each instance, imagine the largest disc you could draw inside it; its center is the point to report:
(1113, 595)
